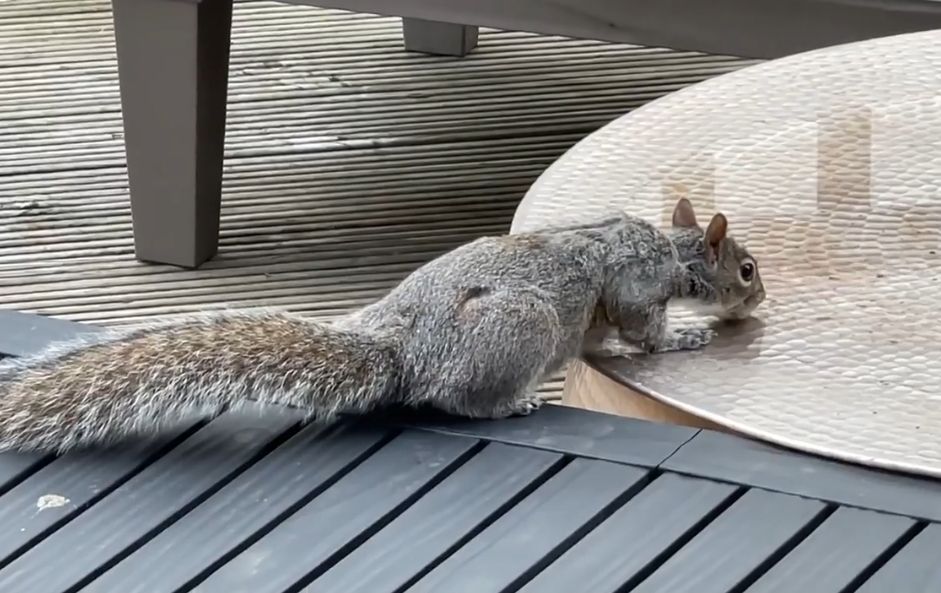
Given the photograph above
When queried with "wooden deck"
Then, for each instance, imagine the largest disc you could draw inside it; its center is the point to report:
(349, 161)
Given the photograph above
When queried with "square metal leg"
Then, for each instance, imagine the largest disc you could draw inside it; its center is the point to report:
(173, 65)
(432, 37)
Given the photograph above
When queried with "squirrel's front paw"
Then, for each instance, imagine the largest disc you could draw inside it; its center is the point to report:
(521, 406)
(526, 405)
(688, 338)
(693, 338)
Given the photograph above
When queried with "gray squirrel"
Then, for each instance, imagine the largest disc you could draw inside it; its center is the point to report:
(472, 333)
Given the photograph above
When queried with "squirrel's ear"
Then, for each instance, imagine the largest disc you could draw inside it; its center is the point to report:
(683, 214)
(715, 233)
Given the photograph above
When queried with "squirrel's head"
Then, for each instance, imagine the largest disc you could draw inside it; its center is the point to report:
(722, 277)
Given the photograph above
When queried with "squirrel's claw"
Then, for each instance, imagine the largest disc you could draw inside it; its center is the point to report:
(687, 338)
(693, 338)
(526, 405)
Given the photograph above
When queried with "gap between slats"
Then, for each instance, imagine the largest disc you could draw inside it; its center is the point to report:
(146, 461)
(886, 556)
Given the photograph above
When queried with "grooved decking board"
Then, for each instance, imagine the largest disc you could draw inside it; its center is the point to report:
(349, 161)
(725, 457)
(735, 544)
(439, 521)
(323, 530)
(560, 428)
(68, 484)
(914, 569)
(543, 524)
(634, 537)
(296, 471)
(143, 504)
(835, 554)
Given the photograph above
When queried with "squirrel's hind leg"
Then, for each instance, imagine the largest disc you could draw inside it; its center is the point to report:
(505, 343)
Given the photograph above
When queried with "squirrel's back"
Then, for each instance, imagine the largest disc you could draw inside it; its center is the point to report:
(105, 387)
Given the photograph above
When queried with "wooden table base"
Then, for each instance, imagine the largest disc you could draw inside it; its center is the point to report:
(590, 389)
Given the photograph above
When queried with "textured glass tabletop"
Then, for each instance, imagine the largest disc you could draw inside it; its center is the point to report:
(828, 166)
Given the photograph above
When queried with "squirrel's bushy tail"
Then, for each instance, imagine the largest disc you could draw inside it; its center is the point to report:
(119, 383)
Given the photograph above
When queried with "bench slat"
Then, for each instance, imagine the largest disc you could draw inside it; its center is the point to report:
(344, 515)
(835, 554)
(144, 504)
(745, 461)
(544, 524)
(573, 431)
(738, 542)
(914, 569)
(632, 540)
(223, 524)
(14, 467)
(23, 333)
(440, 521)
(73, 481)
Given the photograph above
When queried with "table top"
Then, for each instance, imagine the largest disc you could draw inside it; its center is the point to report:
(564, 499)
(827, 165)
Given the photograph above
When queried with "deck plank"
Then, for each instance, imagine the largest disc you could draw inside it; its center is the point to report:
(348, 161)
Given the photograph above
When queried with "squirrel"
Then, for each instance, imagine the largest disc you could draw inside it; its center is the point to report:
(472, 333)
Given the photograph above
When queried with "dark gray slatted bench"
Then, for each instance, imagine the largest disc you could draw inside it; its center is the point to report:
(561, 500)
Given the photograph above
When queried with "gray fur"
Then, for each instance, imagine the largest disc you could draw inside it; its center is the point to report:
(472, 332)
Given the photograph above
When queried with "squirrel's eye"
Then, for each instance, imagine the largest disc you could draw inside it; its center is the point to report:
(747, 271)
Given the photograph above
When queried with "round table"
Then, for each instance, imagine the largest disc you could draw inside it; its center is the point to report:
(827, 165)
